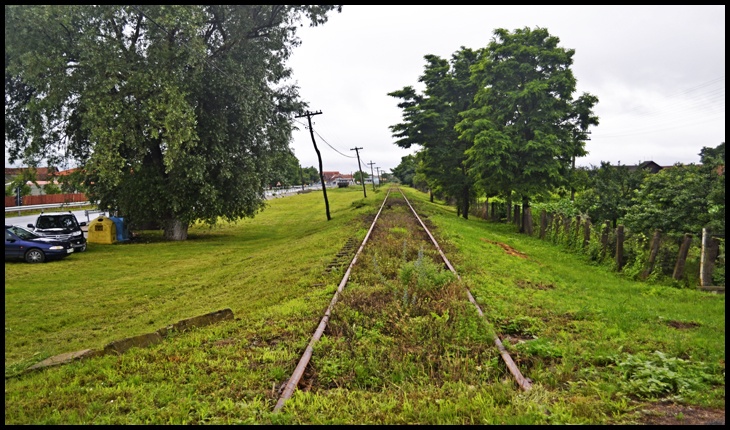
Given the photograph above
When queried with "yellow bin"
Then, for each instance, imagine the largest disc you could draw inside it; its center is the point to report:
(102, 230)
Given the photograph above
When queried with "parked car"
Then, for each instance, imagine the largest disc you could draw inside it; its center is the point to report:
(61, 226)
(23, 244)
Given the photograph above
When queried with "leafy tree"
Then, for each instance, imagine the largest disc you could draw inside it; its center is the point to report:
(525, 126)
(357, 176)
(713, 165)
(406, 169)
(175, 112)
(285, 170)
(51, 188)
(310, 174)
(26, 175)
(608, 192)
(429, 120)
(673, 200)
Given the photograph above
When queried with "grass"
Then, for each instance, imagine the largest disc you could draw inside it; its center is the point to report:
(402, 346)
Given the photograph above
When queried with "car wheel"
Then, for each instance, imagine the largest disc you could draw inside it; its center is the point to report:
(83, 248)
(35, 256)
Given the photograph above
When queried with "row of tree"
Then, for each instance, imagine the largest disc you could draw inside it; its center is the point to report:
(678, 199)
(502, 122)
(176, 113)
(498, 121)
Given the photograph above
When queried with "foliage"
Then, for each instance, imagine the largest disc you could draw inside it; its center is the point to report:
(657, 375)
(608, 191)
(359, 176)
(429, 121)
(310, 174)
(25, 176)
(51, 188)
(525, 126)
(406, 169)
(173, 111)
(562, 207)
(713, 165)
(673, 200)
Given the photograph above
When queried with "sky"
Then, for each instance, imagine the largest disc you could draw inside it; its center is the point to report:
(658, 72)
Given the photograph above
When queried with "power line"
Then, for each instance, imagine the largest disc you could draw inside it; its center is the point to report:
(323, 139)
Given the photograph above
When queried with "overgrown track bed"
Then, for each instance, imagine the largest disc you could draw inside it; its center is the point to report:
(404, 320)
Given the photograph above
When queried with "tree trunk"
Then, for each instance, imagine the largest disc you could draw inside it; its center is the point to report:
(523, 227)
(176, 230)
(465, 199)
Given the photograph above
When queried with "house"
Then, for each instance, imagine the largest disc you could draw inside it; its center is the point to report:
(332, 178)
(649, 166)
(44, 176)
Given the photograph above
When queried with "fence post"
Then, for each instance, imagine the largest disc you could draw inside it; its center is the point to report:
(619, 247)
(528, 221)
(543, 223)
(586, 232)
(653, 249)
(710, 249)
(682, 257)
(566, 227)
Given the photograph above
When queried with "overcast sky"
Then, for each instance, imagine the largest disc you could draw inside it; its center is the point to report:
(658, 72)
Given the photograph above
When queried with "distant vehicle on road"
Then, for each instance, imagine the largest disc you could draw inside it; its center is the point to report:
(61, 226)
(23, 244)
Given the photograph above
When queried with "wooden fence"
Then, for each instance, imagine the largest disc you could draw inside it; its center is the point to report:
(47, 199)
(602, 242)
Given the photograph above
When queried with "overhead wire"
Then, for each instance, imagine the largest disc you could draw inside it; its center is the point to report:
(678, 115)
(323, 139)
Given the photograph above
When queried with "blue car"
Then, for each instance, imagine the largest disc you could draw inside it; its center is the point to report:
(22, 244)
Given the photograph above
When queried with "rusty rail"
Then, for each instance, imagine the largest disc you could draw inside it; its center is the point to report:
(524, 383)
(296, 376)
(291, 385)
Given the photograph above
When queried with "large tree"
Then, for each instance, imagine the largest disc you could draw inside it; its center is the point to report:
(429, 120)
(525, 125)
(175, 112)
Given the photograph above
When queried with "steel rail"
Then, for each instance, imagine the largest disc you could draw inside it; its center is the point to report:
(291, 385)
(524, 383)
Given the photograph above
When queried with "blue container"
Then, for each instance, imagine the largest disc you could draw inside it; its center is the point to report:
(122, 229)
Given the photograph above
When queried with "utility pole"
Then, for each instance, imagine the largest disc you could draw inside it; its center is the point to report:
(378, 169)
(360, 167)
(309, 116)
(372, 175)
(572, 170)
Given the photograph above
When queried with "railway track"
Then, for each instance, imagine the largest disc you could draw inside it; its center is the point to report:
(401, 245)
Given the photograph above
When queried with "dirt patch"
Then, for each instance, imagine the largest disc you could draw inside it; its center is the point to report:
(682, 324)
(667, 413)
(508, 249)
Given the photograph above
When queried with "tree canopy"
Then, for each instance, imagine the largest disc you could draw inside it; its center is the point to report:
(525, 125)
(176, 113)
(502, 118)
(429, 120)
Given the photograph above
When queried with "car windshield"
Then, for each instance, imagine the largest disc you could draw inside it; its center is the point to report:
(56, 222)
(22, 233)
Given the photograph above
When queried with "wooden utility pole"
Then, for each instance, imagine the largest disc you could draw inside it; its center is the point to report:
(309, 116)
(360, 167)
(372, 175)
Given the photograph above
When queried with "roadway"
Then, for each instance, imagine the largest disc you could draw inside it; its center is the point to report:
(24, 220)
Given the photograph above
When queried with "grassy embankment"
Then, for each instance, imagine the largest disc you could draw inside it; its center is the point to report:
(403, 347)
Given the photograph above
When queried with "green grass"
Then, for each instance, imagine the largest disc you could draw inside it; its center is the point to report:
(403, 344)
